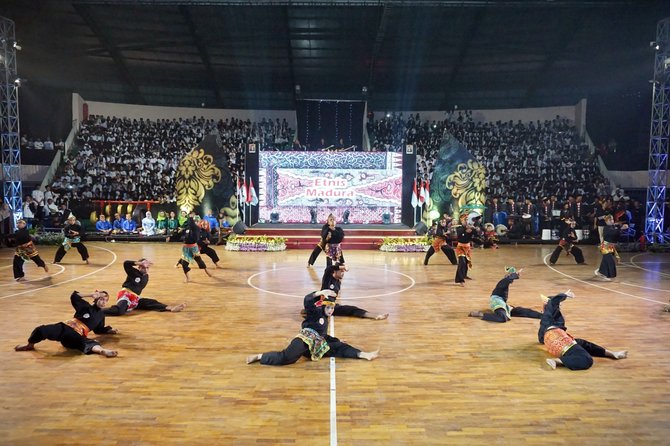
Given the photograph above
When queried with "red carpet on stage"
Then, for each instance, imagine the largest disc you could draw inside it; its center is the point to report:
(305, 236)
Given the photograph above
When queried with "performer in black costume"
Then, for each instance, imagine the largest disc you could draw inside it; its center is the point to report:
(129, 299)
(205, 242)
(73, 333)
(332, 280)
(331, 237)
(502, 311)
(25, 250)
(573, 353)
(72, 232)
(567, 243)
(441, 242)
(464, 232)
(190, 251)
(313, 341)
(611, 234)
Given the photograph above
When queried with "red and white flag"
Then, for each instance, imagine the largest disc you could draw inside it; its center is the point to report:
(243, 192)
(254, 197)
(427, 187)
(415, 198)
(248, 197)
(422, 195)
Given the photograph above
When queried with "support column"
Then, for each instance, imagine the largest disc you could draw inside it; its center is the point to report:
(658, 137)
(9, 119)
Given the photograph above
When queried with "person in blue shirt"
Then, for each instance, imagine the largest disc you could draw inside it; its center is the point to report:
(117, 225)
(213, 222)
(128, 224)
(102, 225)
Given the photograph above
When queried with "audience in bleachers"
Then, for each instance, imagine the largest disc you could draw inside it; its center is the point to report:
(136, 159)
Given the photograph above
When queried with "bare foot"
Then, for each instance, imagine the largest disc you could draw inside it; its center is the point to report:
(461, 284)
(369, 355)
(86, 261)
(476, 314)
(46, 268)
(216, 266)
(24, 348)
(20, 279)
(552, 363)
(621, 354)
(109, 353)
(208, 273)
(254, 358)
(381, 317)
(186, 278)
(309, 265)
(176, 308)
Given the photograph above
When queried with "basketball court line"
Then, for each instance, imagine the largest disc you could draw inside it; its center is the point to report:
(411, 279)
(597, 286)
(634, 264)
(333, 392)
(69, 280)
(62, 270)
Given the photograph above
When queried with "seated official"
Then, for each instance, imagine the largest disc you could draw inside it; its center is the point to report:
(148, 225)
(128, 225)
(102, 225)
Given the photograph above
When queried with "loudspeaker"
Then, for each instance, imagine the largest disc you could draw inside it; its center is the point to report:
(386, 218)
(239, 228)
(420, 228)
(274, 217)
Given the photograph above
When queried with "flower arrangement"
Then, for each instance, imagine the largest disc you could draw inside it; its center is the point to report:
(255, 243)
(48, 238)
(405, 244)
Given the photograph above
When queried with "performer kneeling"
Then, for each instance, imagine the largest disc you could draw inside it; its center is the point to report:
(441, 243)
(25, 250)
(567, 243)
(72, 233)
(573, 353)
(128, 299)
(313, 340)
(73, 333)
(502, 311)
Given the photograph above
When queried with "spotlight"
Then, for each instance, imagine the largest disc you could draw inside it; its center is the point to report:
(17, 82)
(16, 46)
(345, 217)
(364, 91)
(654, 45)
(388, 115)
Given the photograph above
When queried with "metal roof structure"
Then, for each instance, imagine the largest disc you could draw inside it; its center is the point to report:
(399, 55)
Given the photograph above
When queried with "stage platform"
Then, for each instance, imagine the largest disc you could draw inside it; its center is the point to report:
(357, 236)
(305, 236)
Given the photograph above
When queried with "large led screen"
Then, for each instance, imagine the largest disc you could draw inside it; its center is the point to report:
(294, 184)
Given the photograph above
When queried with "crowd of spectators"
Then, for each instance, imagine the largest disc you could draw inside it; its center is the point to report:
(30, 143)
(136, 159)
(522, 160)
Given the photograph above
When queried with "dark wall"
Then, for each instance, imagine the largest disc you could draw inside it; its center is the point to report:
(330, 121)
(44, 112)
(618, 125)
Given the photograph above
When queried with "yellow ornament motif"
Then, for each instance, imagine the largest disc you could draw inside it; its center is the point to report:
(467, 185)
(196, 174)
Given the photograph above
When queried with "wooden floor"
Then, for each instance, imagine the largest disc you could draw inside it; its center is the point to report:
(442, 378)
